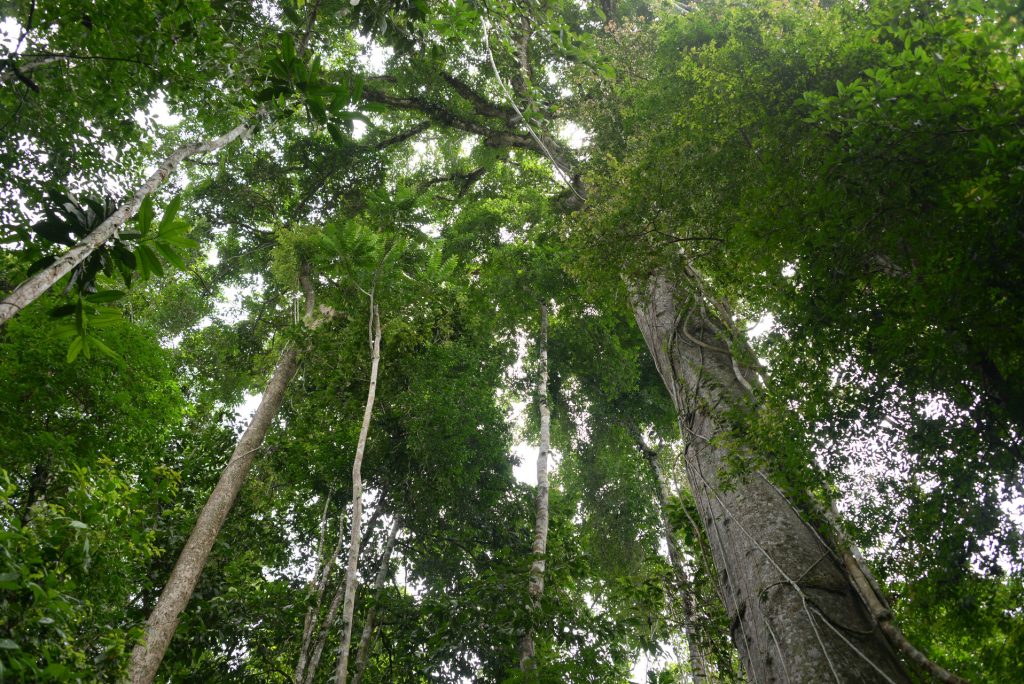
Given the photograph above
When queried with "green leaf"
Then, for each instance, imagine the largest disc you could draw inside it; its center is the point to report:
(104, 297)
(287, 49)
(9, 645)
(336, 134)
(55, 230)
(149, 262)
(75, 348)
(145, 216)
(169, 254)
(105, 350)
(169, 213)
(180, 241)
(40, 264)
(63, 310)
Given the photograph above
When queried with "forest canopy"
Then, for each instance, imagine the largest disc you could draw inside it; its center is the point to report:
(511, 341)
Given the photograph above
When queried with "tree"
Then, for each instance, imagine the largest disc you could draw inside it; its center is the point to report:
(846, 175)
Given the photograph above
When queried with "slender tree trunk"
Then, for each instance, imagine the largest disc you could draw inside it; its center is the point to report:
(352, 576)
(684, 595)
(796, 616)
(164, 619)
(176, 594)
(332, 613)
(318, 585)
(11, 71)
(527, 648)
(363, 652)
(34, 286)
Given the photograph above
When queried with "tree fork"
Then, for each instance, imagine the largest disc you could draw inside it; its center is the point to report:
(318, 585)
(332, 610)
(363, 652)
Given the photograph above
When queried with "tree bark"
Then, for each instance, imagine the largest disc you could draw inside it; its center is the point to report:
(796, 616)
(34, 286)
(352, 576)
(527, 648)
(176, 594)
(163, 621)
(318, 585)
(332, 613)
(363, 652)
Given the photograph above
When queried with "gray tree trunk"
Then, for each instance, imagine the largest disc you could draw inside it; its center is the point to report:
(176, 594)
(352, 576)
(38, 283)
(318, 585)
(527, 649)
(363, 652)
(796, 616)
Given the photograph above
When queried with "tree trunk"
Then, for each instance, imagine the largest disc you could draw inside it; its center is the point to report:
(352, 576)
(684, 595)
(164, 619)
(20, 72)
(318, 585)
(332, 613)
(527, 649)
(176, 594)
(34, 286)
(796, 616)
(363, 652)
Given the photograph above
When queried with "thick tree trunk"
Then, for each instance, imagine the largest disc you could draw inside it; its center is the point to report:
(352, 576)
(796, 616)
(177, 592)
(527, 649)
(363, 652)
(684, 596)
(33, 287)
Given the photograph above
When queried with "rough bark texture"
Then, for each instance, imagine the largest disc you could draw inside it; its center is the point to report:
(363, 652)
(163, 621)
(177, 592)
(796, 616)
(527, 650)
(352, 576)
(683, 596)
(34, 286)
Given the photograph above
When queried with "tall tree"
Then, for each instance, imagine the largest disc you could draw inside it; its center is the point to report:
(527, 649)
(163, 621)
(352, 568)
